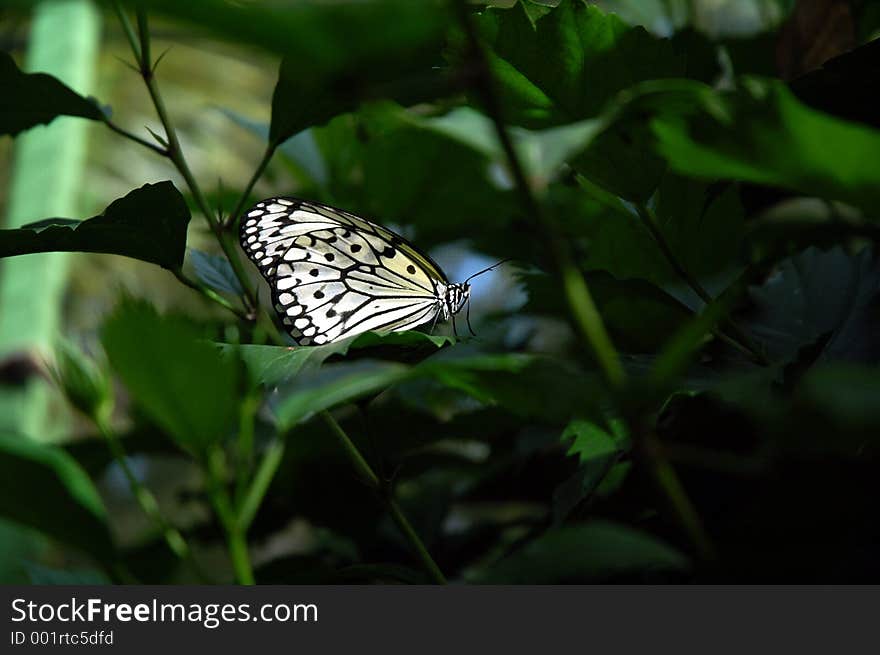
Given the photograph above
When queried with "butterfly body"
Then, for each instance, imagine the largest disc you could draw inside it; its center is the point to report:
(334, 274)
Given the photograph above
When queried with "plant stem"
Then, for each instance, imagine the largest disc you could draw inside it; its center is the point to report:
(236, 541)
(147, 501)
(210, 294)
(134, 137)
(649, 219)
(406, 528)
(369, 476)
(140, 46)
(235, 216)
(255, 493)
(361, 467)
(667, 480)
(245, 445)
(128, 30)
(580, 302)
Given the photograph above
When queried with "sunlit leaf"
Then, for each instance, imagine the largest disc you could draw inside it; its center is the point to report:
(762, 134)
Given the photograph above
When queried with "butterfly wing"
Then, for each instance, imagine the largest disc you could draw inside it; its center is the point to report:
(334, 275)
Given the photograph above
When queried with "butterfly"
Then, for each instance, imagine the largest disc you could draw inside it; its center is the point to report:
(334, 275)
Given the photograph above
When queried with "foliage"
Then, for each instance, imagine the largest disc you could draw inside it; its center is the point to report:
(683, 387)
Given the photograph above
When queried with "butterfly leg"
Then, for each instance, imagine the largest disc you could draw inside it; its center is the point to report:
(454, 329)
(467, 315)
(434, 322)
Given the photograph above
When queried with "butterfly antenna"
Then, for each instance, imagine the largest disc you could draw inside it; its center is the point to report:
(486, 270)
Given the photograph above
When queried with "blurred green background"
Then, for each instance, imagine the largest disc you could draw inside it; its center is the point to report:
(703, 171)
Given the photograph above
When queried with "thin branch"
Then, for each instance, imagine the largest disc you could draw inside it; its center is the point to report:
(128, 30)
(370, 478)
(134, 137)
(235, 216)
(668, 482)
(255, 493)
(141, 50)
(236, 541)
(211, 295)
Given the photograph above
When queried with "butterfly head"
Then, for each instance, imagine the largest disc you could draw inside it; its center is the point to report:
(456, 297)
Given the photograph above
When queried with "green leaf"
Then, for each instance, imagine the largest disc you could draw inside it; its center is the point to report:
(527, 385)
(820, 295)
(215, 271)
(385, 50)
(594, 55)
(43, 488)
(321, 39)
(827, 413)
(762, 134)
(422, 177)
(31, 99)
(301, 101)
(541, 152)
(147, 224)
(43, 575)
(271, 365)
(702, 225)
(589, 552)
(597, 450)
(590, 442)
(626, 307)
(334, 385)
(835, 409)
(680, 350)
(183, 382)
(620, 160)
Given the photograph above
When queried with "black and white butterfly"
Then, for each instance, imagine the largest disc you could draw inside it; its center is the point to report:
(334, 275)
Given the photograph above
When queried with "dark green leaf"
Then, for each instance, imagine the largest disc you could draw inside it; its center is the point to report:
(626, 307)
(215, 271)
(590, 552)
(30, 99)
(702, 226)
(621, 161)
(270, 365)
(43, 488)
(527, 385)
(334, 385)
(322, 40)
(43, 575)
(829, 295)
(184, 383)
(422, 177)
(147, 224)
